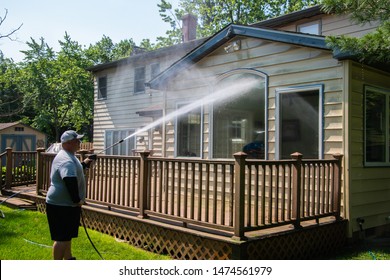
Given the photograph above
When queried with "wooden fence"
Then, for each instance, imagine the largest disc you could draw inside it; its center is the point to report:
(231, 197)
(17, 168)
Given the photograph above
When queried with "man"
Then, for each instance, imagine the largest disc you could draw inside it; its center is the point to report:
(66, 195)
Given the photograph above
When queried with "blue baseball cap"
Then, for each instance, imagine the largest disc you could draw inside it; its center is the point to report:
(70, 135)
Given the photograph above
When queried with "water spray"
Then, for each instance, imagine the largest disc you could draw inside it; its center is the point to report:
(113, 145)
(220, 95)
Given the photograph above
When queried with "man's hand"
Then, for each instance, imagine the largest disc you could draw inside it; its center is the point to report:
(92, 156)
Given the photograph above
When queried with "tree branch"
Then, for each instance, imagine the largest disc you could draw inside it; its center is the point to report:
(9, 34)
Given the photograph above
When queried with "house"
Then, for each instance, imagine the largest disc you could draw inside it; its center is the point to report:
(269, 89)
(21, 137)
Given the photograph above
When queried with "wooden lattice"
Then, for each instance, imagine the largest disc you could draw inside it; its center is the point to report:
(307, 243)
(180, 243)
(157, 238)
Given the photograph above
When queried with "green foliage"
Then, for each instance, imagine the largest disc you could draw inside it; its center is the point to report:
(23, 172)
(52, 91)
(10, 95)
(25, 236)
(3, 172)
(373, 47)
(106, 50)
(57, 87)
(361, 10)
(213, 15)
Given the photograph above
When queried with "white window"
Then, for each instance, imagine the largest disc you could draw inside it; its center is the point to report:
(154, 70)
(139, 80)
(189, 133)
(239, 122)
(376, 126)
(313, 27)
(102, 88)
(299, 122)
(114, 136)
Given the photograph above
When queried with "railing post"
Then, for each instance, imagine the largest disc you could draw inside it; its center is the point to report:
(239, 195)
(39, 172)
(83, 155)
(143, 183)
(297, 174)
(8, 174)
(337, 185)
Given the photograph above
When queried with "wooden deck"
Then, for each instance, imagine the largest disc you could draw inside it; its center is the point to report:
(223, 209)
(314, 240)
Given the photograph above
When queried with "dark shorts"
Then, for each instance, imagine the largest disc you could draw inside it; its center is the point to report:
(63, 221)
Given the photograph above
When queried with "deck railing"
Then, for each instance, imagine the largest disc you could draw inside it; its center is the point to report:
(227, 196)
(17, 168)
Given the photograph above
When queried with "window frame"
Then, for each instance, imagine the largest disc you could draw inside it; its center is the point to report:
(100, 95)
(227, 74)
(386, 93)
(310, 23)
(278, 124)
(138, 80)
(178, 106)
(154, 70)
(129, 145)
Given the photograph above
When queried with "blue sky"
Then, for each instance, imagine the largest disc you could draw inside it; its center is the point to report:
(86, 21)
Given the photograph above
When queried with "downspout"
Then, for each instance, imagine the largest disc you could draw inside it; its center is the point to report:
(163, 127)
(346, 144)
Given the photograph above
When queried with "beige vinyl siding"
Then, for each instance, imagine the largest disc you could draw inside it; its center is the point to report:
(118, 110)
(335, 25)
(369, 187)
(342, 25)
(286, 66)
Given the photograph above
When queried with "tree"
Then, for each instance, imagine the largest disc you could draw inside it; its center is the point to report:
(10, 95)
(57, 86)
(106, 50)
(10, 33)
(373, 47)
(213, 15)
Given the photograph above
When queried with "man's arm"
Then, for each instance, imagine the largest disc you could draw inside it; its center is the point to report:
(73, 188)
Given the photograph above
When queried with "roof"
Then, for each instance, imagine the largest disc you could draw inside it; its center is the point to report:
(4, 126)
(179, 50)
(226, 34)
(151, 111)
(7, 125)
(291, 17)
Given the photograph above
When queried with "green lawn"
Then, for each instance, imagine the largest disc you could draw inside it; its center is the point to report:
(364, 251)
(24, 235)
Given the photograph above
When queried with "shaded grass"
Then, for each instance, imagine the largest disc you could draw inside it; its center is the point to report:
(370, 249)
(24, 235)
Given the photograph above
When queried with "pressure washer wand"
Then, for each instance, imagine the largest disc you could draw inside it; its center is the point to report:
(120, 141)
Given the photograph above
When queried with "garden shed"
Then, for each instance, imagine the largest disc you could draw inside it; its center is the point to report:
(21, 137)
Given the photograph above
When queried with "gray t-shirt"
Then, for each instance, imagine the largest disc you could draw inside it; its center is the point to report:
(65, 164)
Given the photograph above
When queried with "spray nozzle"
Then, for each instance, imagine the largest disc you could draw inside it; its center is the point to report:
(92, 156)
